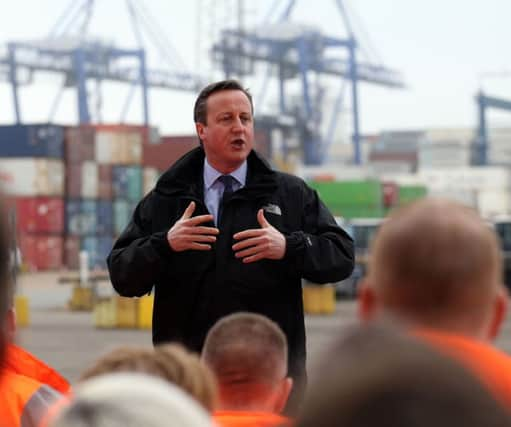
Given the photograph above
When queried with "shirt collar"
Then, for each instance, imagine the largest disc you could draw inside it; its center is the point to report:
(211, 174)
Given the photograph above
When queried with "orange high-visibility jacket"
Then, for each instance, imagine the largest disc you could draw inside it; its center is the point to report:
(490, 365)
(27, 389)
(250, 419)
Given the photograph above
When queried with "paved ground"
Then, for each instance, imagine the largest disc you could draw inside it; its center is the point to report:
(69, 342)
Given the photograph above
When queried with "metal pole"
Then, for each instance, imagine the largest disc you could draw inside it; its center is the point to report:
(14, 81)
(81, 79)
(143, 83)
(354, 100)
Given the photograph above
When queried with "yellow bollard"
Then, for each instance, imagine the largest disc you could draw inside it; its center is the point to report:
(145, 312)
(126, 309)
(22, 307)
(312, 299)
(327, 299)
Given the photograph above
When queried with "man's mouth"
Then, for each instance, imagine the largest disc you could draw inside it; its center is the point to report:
(238, 142)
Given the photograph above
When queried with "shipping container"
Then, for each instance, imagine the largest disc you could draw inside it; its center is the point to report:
(151, 176)
(105, 190)
(32, 177)
(72, 252)
(40, 215)
(127, 182)
(81, 216)
(73, 187)
(164, 155)
(40, 252)
(350, 193)
(79, 144)
(98, 249)
(410, 193)
(105, 218)
(123, 211)
(42, 140)
(89, 180)
(118, 147)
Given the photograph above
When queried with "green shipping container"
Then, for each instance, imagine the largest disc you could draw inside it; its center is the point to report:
(409, 193)
(122, 215)
(338, 194)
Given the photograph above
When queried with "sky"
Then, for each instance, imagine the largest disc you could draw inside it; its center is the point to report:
(445, 49)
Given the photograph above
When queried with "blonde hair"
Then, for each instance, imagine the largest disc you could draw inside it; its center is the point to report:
(171, 362)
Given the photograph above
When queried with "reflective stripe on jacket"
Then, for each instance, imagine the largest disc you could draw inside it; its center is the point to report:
(24, 401)
(250, 419)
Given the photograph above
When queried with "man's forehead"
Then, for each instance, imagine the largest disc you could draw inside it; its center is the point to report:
(229, 100)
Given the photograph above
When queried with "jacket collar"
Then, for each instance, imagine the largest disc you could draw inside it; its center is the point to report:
(186, 176)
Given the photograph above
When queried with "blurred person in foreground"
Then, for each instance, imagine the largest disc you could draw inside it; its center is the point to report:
(28, 387)
(380, 377)
(248, 354)
(436, 267)
(170, 362)
(222, 232)
(130, 400)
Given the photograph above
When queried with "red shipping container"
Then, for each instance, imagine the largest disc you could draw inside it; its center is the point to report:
(262, 143)
(390, 194)
(72, 252)
(79, 144)
(40, 214)
(41, 253)
(162, 156)
(105, 189)
(73, 184)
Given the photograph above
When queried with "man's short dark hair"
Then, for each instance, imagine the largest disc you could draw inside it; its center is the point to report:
(200, 110)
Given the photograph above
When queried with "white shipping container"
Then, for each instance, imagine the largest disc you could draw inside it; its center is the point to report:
(32, 177)
(103, 147)
(467, 197)
(462, 136)
(150, 177)
(403, 179)
(383, 167)
(494, 203)
(90, 180)
(118, 148)
(469, 178)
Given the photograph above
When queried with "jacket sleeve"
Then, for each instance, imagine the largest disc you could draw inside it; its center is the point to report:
(322, 251)
(138, 257)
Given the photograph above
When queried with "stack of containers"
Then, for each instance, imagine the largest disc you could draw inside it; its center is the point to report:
(499, 146)
(395, 151)
(32, 175)
(353, 199)
(104, 182)
(447, 148)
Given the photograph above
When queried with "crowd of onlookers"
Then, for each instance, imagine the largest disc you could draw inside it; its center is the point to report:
(422, 355)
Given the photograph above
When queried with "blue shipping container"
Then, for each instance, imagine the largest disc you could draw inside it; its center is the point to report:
(98, 249)
(105, 218)
(81, 217)
(127, 182)
(32, 141)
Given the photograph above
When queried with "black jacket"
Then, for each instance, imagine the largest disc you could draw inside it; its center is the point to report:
(193, 289)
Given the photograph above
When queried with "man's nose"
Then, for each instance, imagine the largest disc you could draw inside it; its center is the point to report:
(238, 125)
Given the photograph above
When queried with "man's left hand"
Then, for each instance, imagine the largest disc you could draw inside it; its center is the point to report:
(265, 242)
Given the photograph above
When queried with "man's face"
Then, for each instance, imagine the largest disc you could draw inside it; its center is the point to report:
(228, 136)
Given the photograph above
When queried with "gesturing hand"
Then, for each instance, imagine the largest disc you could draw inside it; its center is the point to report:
(265, 242)
(187, 234)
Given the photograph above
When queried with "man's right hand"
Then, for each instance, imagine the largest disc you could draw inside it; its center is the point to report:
(186, 233)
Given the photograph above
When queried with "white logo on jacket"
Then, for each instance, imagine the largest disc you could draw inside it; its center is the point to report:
(271, 208)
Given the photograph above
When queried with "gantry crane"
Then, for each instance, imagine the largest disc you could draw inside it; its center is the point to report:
(484, 102)
(299, 53)
(69, 51)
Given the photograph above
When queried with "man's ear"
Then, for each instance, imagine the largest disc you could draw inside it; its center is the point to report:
(366, 301)
(283, 392)
(201, 131)
(499, 313)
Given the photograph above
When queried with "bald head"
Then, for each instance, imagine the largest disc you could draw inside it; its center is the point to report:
(248, 354)
(438, 263)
